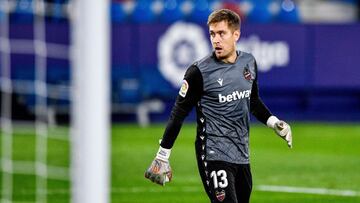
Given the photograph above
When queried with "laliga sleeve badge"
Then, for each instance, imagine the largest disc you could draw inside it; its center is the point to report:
(184, 88)
(247, 74)
(220, 195)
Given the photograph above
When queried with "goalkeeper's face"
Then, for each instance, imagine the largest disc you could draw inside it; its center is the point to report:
(223, 40)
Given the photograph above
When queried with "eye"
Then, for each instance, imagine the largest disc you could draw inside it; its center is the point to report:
(212, 34)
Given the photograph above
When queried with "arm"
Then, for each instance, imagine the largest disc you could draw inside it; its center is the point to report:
(257, 107)
(189, 94)
(262, 113)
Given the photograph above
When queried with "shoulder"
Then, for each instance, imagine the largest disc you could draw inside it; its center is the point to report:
(247, 57)
(204, 62)
(193, 73)
(249, 61)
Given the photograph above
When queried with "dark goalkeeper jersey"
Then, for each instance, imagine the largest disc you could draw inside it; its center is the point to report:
(224, 94)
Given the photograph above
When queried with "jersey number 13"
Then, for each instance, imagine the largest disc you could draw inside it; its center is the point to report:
(219, 178)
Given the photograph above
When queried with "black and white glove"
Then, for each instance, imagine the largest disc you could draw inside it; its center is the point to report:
(160, 171)
(281, 128)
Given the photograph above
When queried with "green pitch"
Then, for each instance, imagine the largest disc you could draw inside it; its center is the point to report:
(324, 156)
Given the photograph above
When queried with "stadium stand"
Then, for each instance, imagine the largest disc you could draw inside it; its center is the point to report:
(134, 81)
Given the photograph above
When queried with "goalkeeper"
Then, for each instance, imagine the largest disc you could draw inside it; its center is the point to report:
(224, 89)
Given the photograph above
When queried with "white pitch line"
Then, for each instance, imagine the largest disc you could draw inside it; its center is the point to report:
(265, 188)
(156, 189)
(193, 189)
(307, 190)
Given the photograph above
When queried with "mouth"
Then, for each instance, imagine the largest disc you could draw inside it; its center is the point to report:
(218, 49)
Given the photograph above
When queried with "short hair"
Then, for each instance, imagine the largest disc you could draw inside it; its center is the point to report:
(233, 20)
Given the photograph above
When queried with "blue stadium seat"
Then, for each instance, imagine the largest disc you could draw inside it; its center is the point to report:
(23, 12)
(117, 12)
(142, 12)
(1, 15)
(260, 12)
(201, 11)
(153, 84)
(288, 13)
(57, 11)
(125, 85)
(172, 11)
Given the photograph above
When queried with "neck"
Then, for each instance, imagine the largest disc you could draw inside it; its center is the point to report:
(231, 58)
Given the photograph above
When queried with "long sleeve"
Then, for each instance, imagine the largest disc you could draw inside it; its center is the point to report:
(189, 94)
(257, 106)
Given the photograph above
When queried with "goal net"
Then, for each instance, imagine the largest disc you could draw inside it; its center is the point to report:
(51, 147)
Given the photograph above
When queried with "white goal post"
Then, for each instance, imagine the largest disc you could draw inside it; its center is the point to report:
(91, 102)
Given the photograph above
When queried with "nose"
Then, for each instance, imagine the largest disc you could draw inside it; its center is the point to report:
(216, 39)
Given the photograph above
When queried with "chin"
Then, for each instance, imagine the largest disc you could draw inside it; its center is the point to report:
(220, 56)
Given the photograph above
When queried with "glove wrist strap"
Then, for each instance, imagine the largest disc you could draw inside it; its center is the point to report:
(271, 121)
(163, 154)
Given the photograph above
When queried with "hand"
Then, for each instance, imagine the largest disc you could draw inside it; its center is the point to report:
(160, 171)
(281, 128)
(284, 131)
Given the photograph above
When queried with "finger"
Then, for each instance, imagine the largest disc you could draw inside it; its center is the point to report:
(159, 179)
(147, 174)
(152, 177)
(286, 130)
(289, 144)
(168, 176)
(289, 139)
(280, 125)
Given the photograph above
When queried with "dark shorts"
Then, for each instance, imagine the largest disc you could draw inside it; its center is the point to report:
(225, 182)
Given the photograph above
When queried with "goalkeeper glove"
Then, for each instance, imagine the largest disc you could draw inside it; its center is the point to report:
(281, 128)
(160, 171)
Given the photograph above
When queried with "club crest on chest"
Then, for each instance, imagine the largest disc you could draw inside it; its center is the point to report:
(247, 74)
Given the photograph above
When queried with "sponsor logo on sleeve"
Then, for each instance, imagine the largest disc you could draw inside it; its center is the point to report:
(184, 88)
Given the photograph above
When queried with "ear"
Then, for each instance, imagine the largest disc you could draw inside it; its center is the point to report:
(237, 34)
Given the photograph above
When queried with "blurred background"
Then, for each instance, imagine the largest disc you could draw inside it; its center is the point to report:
(303, 48)
(306, 50)
(308, 56)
